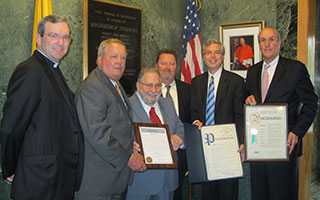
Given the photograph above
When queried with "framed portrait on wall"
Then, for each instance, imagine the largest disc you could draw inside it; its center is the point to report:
(103, 19)
(241, 45)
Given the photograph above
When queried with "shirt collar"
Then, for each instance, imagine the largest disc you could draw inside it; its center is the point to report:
(172, 84)
(217, 74)
(273, 64)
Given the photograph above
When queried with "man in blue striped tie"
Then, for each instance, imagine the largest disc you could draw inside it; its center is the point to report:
(217, 97)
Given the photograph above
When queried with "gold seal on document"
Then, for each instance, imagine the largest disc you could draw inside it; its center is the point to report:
(149, 160)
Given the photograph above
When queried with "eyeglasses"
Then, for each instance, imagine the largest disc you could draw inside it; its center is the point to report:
(55, 37)
(150, 85)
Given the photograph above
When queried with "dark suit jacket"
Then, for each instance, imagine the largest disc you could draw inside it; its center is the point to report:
(290, 84)
(183, 90)
(41, 139)
(229, 100)
(108, 132)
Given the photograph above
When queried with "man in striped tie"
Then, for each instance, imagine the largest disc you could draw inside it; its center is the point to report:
(217, 97)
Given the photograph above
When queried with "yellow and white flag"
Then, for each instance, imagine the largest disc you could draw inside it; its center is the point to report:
(42, 8)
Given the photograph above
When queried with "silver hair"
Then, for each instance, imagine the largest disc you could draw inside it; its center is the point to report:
(54, 18)
(104, 44)
(211, 41)
(147, 70)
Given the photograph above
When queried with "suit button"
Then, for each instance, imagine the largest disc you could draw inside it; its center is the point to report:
(76, 154)
(75, 132)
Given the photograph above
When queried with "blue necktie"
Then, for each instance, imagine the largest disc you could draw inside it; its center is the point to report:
(210, 104)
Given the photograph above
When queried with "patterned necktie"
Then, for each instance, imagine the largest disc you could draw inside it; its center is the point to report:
(210, 104)
(154, 117)
(118, 89)
(168, 95)
(265, 82)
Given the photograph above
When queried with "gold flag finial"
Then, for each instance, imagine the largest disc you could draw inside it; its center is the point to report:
(198, 3)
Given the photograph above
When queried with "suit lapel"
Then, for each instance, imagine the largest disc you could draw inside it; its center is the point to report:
(105, 80)
(46, 64)
(204, 90)
(65, 90)
(139, 111)
(276, 78)
(222, 87)
(163, 111)
(179, 92)
(258, 83)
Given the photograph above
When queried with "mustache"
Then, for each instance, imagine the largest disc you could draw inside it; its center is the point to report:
(154, 93)
(167, 70)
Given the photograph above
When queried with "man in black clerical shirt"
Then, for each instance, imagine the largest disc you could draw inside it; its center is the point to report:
(41, 140)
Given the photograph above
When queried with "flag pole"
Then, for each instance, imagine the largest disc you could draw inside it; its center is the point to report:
(42, 8)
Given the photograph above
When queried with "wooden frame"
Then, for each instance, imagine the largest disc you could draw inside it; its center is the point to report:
(137, 127)
(230, 36)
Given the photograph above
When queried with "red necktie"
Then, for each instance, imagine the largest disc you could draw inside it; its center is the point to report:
(154, 117)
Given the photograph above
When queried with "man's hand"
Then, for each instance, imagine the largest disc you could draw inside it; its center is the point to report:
(242, 152)
(251, 100)
(292, 141)
(176, 141)
(198, 123)
(136, 163)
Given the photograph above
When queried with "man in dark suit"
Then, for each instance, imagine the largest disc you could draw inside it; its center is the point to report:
(179, 92)
(41, 138)
(228, 94)
(105, 118)
(149, 107)
(286, 81)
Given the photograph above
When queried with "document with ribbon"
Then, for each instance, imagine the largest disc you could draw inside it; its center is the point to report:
(266, 132)
(212, 153)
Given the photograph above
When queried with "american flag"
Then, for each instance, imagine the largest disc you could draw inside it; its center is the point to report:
(192, 64)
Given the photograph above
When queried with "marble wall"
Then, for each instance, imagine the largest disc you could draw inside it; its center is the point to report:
(162, 27)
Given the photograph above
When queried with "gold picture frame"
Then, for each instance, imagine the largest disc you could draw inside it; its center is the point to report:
(231, 35)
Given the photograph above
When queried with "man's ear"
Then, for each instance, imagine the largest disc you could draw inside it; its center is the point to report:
(99, 60)
(38, 39)
(138, 86)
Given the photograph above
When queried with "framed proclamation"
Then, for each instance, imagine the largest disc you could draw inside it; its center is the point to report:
(266, 132)
(156, 148)
(212, 153)
(104, 19)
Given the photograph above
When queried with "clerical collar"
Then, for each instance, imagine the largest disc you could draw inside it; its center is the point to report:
(55, 64)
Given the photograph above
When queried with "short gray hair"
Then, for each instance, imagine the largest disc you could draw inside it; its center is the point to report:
(54, 18)
(211, 41)
(147, 70)
(104, 44)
